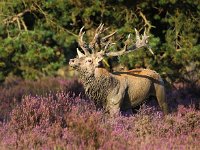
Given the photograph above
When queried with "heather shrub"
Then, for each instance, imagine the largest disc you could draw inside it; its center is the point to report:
(61, 118)
(14, 88)
(48, 115)
(62, 121)
(38, 110)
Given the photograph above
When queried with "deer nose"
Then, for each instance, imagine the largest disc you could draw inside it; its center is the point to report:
(71, 61)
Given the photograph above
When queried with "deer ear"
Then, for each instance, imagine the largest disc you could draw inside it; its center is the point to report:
(79, 53)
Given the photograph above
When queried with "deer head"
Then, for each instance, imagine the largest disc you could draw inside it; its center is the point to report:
(97, 49)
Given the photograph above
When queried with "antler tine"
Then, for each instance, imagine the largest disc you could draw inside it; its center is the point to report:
(95, 40)
(119, 53)
(108, 36)
(140, 42)
(107, 45)
(82, 43)
(137, 34)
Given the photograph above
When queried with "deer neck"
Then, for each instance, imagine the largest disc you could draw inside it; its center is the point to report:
(101, 72)
(98, 85)
(98, 73)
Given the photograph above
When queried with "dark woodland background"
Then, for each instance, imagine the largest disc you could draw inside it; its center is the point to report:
(38, 37)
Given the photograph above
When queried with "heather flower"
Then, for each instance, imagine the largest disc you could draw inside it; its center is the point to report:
(67, 120)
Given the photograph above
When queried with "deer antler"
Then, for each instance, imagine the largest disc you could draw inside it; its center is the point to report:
(140, 42)
(98, 40)
(104, 43)
(82, 43)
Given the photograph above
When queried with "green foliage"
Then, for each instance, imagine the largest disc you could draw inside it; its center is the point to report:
(38, 37)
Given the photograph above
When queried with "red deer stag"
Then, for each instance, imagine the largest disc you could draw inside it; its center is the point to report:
(118, 90)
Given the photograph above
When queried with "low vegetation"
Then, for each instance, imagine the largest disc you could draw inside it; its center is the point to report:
(58, 117)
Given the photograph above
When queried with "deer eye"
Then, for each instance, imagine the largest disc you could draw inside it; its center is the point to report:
(89, 60)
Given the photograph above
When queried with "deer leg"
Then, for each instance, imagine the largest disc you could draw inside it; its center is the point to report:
(160, 95)
(114, 109)
(114, 101)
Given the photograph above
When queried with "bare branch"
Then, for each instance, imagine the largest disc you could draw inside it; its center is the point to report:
(14, 18)
(147, 23)
(24, 25)
(18, 23)
(53, 21)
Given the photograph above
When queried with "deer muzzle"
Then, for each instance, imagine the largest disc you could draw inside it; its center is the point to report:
(73, 63)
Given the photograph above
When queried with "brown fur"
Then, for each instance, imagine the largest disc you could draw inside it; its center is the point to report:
(136, 86)
(119, 90)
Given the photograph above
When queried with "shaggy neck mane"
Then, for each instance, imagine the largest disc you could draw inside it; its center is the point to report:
(97, 88)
